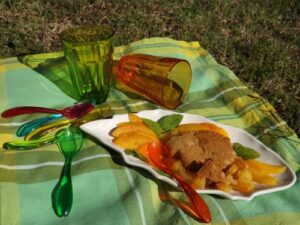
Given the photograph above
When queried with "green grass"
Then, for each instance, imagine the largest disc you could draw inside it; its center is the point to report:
(258, 40)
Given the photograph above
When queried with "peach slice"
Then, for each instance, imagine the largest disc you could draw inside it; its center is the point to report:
(265, 168)
(200, 126)
(132, 127)
(263, 179)
(134, 118)
(133, 140)
(143, 150)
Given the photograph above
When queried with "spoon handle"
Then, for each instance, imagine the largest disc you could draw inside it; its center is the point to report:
(26, 145)
(29, 126)
(47, 129)
(62, 194)
(201, 209)
(28, 110)
(196, 200)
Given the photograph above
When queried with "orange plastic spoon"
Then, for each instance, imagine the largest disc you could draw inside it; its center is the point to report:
(155, 153)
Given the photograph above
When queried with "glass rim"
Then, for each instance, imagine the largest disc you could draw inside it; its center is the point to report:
(64, 39)
(184, 93)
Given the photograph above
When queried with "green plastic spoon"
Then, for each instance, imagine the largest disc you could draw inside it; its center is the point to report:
(69, 142)
(26, 145)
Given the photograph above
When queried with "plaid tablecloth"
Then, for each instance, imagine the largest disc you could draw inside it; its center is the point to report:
(106, 190)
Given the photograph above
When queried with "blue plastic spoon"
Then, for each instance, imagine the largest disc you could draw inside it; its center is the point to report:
(26, 128)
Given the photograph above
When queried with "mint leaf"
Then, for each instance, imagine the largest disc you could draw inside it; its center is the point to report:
(170, 122)
(153, 126)
(245, 152)
(135, 154)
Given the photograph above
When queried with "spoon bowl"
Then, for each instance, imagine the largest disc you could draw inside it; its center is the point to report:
(69, 141)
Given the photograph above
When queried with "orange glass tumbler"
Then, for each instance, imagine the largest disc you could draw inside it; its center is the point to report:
(162, 80)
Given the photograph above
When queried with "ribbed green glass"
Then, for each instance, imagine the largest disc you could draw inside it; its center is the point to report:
(88, 51)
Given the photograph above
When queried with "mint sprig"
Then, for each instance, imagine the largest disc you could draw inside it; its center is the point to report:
(153, 126)
(170, 122)
(245, 152)
(164, 124)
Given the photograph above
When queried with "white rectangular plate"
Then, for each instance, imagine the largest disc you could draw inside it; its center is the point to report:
(100, 129)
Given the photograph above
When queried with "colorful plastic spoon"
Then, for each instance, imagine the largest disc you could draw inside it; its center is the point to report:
(26, 145)
(39, 137)
(26, 128)
(155, 153)
(48, 129)
(99, 112)
(69, 142)
(185, 206)
(45, 134)
(71, 112)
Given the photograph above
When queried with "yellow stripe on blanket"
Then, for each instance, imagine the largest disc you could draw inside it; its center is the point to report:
(5, 138)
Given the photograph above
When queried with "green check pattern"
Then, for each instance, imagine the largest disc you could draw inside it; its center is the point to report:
(106, 190)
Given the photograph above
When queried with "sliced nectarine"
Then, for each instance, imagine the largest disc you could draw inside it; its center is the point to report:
(263, 179)
(132, 127)
(200, 126)
(143, 150)
(265, 168)
(134, 118)
(133, 140)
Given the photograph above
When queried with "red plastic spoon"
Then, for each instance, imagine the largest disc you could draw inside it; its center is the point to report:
(155, 153)
(71, 112)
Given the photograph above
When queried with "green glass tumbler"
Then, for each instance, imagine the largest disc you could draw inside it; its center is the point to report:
(88, 51)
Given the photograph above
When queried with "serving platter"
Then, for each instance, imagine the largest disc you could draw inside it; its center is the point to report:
(100, 129)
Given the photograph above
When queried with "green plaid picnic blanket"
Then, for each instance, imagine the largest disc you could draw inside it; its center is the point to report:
(106, 190)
